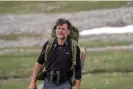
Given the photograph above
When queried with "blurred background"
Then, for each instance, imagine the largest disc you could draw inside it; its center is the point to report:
(106, 29)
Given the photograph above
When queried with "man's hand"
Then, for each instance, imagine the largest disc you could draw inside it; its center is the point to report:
(36, 71)
(33, 85)
(77, 85)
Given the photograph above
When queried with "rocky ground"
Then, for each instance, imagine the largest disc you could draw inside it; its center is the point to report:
(41, 24)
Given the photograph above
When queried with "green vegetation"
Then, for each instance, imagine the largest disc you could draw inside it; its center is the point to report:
(100, 43)
(108, 81)
(95, 81)
(17, 36)
(21, 64)
(24, 48)
(17, 65)
(22, 7)
(109, 61)
(15, 84)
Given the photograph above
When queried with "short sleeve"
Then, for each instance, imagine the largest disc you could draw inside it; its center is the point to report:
(41, 57)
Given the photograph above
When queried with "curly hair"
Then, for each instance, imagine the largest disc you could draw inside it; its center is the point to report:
(62, 21)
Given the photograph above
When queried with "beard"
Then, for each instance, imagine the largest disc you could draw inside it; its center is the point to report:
(61, 37)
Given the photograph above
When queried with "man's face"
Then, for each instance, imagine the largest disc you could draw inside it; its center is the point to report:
(62, 31)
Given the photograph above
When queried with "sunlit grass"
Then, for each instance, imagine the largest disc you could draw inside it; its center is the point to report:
(14, 84)
(56, 6)
(95, 81)
(109, 61)
(17, 36)
(107, 81)
(17, 65)
(21, 64)
(100, 43)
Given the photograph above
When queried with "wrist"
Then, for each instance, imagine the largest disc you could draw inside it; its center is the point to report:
(77, 85)
(77, 88)
(33, 81)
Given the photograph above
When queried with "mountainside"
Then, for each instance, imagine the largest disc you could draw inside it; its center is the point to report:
(34, 29)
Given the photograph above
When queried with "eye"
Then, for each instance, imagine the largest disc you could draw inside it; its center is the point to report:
(58, 28)
(63, 28)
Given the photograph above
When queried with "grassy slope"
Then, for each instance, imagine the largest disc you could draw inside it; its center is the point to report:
(107, 81)
(100, 43)
(15, 84)
(56, 6)
(95, 81)
(21, 64)
(109, 61)
(17, 65)
(17, 36)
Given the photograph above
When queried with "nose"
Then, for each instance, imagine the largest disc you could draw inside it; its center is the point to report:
(60, 30)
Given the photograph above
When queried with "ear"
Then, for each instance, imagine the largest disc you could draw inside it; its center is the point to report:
(69, 32)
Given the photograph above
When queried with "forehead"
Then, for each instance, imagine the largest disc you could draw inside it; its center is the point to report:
(62, 25)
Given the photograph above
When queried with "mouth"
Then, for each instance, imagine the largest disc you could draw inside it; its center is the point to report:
(60, 34)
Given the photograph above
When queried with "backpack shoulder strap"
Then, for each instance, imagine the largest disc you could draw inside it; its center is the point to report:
(74, 54)
(48, 47)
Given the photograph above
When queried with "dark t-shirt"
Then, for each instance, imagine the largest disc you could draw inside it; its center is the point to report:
(59, 58)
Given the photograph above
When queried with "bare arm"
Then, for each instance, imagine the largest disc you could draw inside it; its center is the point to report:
(36, 70)
(77, 85)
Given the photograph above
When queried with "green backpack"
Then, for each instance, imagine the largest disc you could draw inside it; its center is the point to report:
(74, 36)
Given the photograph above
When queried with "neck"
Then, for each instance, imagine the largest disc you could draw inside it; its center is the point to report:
(61, 41)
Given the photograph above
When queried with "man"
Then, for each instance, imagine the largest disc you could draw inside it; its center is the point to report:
(59, 60)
